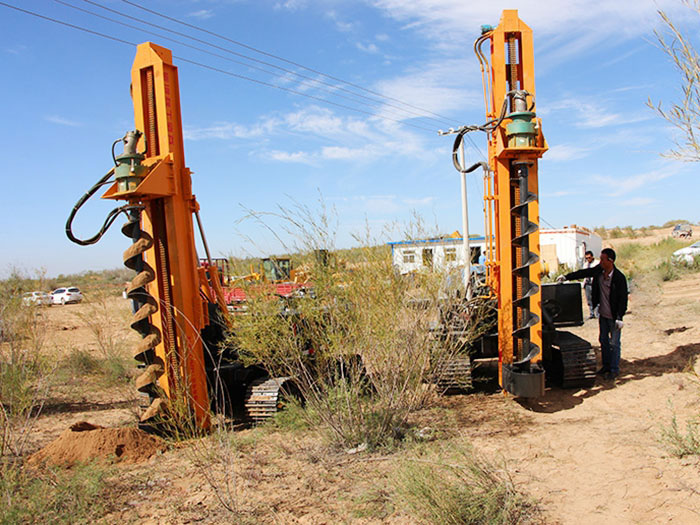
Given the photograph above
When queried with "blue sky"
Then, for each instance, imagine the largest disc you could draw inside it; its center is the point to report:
(65, 99)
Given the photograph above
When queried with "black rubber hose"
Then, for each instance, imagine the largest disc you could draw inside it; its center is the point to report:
(111, 216)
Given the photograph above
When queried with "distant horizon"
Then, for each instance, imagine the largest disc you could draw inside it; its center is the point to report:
(5, 275)
(332, 107)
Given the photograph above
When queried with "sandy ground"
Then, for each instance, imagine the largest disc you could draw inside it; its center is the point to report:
(587, 456)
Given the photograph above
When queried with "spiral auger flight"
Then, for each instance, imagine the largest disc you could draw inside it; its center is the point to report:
(144, 306)
(523, 319)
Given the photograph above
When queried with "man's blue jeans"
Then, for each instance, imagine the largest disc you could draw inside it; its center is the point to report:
(609, 345)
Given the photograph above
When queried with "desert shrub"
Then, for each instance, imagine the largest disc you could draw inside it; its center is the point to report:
(356, 345)
(668, 271)
(52, 495)
(457, 486)
(615, 233)
(602, 231)
(24, 372)
(682, 443)
(674, 222)
(630, 232)
(114, 363)
(80, 362)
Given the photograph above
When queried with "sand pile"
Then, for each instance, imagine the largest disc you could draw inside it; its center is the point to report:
(84, 442)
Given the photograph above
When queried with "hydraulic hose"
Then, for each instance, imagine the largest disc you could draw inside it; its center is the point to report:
(111, 216)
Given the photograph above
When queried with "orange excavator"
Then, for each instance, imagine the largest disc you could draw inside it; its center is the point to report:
(178, 303)
(529, 313)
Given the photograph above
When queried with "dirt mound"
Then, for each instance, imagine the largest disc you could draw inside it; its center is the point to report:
(84, 442)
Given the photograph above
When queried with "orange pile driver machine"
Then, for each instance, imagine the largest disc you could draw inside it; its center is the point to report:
(178, 302)
(529, 313)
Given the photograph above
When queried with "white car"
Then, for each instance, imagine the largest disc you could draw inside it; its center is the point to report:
(38, 298)
(66, 295)
(687, 254)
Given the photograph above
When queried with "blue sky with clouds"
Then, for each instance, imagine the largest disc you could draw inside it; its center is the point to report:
(65, 99)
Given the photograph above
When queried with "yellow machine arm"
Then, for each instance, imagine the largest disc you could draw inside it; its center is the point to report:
(515, 143)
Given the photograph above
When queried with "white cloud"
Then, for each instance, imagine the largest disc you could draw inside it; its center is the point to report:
(367, 48)
(343, 153)
(435, 86)
(230, 130)
(589, 114)
(553, 194)
(299, 157)
(425, 201)
(340, 25)
(292, 5)
(565, 152)
(616, 186)
(638, 201)
(17, 49)
(55, 119)
(562, 27)
(202, 14)
(342, 138)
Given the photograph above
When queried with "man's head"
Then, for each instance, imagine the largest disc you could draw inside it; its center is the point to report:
(607, 259)
(589, 256)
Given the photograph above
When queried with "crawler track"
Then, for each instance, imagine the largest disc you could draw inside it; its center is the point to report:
(264, 397)
(574, 362)
(455, 375)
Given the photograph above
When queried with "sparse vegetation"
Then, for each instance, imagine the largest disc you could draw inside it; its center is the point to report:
(460, 487)
(24, 373)
(52, 495)
(682, 443)
(359, 353)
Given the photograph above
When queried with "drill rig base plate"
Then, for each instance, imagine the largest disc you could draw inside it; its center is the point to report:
(523, 383)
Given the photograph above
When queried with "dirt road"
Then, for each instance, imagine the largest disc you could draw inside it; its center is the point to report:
(587, 456)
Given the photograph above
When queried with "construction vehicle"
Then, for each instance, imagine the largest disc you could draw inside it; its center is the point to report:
(179, 304)
(527, 341)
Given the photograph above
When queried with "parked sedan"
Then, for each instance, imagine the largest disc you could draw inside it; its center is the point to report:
(687, 254)
(66, 295)
(38, 298)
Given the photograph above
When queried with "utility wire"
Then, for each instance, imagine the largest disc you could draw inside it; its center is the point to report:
(68, 25)
(334, 87)
(229, 73)
(261, 82)
(276, 57)
(152, 33)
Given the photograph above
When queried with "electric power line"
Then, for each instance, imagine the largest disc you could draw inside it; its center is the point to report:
(212, 68)
(282, 59)
(150, 32)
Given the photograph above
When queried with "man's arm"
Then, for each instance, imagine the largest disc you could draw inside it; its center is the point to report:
(584, 272)
(622, 308)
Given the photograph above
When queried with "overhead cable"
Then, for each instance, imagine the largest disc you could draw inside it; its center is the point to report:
(229, 73)
(282, 59)
(206, 51)
(422, 114)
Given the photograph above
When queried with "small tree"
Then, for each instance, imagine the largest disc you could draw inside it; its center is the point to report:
(685, 114)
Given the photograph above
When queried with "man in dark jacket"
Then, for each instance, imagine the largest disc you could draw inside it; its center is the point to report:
(610, 296)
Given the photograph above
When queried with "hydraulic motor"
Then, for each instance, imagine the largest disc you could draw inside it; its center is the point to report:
(128, 171)
(521, 130)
